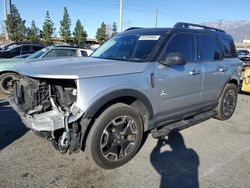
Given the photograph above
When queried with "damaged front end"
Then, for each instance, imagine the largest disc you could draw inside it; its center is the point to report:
(47, 106)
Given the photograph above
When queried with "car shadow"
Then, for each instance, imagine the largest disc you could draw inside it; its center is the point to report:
(11, 127)
(177, 167)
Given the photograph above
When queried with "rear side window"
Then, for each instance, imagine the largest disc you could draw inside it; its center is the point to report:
(182, 43)
(61, 53)
(26, 49)
(84, 53)
(36, 48)
(209, 49)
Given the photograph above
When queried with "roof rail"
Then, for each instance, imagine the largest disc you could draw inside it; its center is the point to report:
(131, 28)
(187, 25)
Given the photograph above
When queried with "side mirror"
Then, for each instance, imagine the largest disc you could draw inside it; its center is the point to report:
(174, 59)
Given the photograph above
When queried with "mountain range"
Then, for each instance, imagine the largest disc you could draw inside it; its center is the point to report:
(240, 30)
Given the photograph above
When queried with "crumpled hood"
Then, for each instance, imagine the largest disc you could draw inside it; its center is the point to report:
(74, 68)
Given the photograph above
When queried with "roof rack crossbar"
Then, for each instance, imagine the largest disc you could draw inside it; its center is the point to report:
(132, 28)
(187, 25)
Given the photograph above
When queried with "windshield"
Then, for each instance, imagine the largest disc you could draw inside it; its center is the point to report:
(38, 54)
(128, 47)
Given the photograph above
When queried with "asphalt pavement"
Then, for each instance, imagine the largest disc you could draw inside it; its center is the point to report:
(210, 154)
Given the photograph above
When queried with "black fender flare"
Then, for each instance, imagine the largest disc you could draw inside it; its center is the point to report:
(93, 109)
(229, 80)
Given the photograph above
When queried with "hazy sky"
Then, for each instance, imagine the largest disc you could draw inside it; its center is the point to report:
(135, 12)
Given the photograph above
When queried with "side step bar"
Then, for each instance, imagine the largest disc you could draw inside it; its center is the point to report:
(180, 125)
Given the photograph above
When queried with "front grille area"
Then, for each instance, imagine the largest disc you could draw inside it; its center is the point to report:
(34, 95)
(30, 93)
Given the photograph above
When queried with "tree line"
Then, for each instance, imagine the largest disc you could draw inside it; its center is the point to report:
(18, 32)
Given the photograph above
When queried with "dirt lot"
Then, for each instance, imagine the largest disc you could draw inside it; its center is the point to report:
(211, 154)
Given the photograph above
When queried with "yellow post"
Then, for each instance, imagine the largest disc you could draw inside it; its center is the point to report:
(246, 80)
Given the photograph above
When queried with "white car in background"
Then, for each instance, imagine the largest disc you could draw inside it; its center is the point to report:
(241, 52)
(7, 66)
(60, 51)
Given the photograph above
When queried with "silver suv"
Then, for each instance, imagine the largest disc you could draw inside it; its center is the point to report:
(142, 80)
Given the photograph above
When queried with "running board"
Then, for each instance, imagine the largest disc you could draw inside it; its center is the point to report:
(183, 124)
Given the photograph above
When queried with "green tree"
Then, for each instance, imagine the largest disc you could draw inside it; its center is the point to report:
(41, 34)
(79, 34)
(65, 26)
(15, 25)
(33, 33)
(48, 30)
(101, 34)
(114, 29)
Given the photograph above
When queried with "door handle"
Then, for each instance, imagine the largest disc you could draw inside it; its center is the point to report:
(194, 72)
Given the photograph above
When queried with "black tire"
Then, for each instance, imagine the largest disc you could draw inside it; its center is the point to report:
(115, 136)
(227, 102)
(6, 83)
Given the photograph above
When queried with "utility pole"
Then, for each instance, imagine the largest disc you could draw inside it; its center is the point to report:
(120, 24)
(5, 18)
(220, 23)
(156, 17)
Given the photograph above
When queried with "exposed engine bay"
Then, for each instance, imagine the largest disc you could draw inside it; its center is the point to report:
(47, 106)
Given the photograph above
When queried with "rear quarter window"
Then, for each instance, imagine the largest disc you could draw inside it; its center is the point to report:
(229, 44)
(225, 50)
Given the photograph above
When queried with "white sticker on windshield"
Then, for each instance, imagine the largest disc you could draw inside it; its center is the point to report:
(149, 37)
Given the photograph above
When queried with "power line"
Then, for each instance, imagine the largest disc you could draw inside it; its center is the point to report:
(178, 8)
(175, 13)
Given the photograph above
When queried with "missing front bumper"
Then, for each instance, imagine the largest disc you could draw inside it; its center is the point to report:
(48, 121)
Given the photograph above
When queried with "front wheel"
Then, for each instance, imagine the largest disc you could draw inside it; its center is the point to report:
(6, 83)
(227, 102)
(115, 136)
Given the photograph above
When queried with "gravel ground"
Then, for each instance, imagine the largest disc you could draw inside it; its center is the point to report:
(211, 154)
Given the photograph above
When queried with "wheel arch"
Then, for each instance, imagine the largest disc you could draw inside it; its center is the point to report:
(233, 81)
(131, 97)
(229, 81)
(8, 71)
(127, 96)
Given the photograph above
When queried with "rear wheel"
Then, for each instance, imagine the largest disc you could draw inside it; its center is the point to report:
(6, 83)
(115, 136)
(227, 102)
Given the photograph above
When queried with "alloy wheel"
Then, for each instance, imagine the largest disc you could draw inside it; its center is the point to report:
(118, 138)
(229, 102)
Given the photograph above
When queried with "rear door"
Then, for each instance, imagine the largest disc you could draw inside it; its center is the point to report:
(216, 68)
(178, 87)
